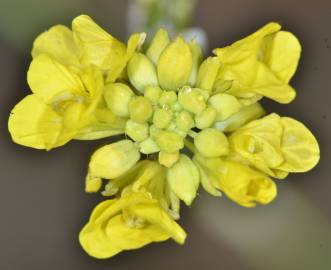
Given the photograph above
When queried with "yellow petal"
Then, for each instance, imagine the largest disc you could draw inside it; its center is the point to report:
(155, 215)
(52, 81)
(134, 44)
(110, 230)
(96, 46)
(128, 238)
(281, 54)
(260, 142)
(244, 46)
(268, 85)
(251, 66)
(95, 242)
(57, 42)
(299, 147)
(33, 123)
(237, 120)
(246, 186)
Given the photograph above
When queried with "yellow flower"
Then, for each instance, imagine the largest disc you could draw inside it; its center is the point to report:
(130, 222)
(66, 77)
(261, 64)
(239, 182)
(85, 45)
(87, 85)
(62, 104)
(276, 145)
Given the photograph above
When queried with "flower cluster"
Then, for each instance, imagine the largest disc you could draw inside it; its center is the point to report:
(186, 121)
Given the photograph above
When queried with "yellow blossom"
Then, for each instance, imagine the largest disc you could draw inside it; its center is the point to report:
(261, 64)
(130, 222)
(276, 145)
(239, 182)
(165, 100)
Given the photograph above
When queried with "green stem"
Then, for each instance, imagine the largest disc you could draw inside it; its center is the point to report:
(190, 146)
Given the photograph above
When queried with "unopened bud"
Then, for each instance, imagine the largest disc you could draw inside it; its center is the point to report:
(211, 142)
(141, 72)
(117, 97)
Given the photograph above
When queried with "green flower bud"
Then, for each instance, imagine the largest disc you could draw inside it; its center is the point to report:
(136, 131)
(191, 100)
(184, 121)
(207, 73)
(158, 44)
(141, 72)
(211, 142)
(169, 141)
(153, 93)
(162, 118)
(168, 97)
(113, 160)
(206, 118)
(117, 97)
(176, 106)
(140, 109)
(168, 159)
(225, 105)
(149, 146)
(154, 131)
(183, 178)
(175, 65)
(196, 61)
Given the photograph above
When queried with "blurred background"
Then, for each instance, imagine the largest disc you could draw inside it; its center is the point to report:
(42, 199)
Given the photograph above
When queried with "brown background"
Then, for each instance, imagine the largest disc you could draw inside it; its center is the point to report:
(42, 202)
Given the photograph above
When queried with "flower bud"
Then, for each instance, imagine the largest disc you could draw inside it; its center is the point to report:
(136, 131)
(92, 184)
(207, 73)
(117, 97)
(168, 159)
(192, 100)
(153, 93)
(225, 105)
(169, 141)
(183, 178)
(168, 98)
(141, 72)
(184, 121)
(154, 131)
(196, 61)
(149, 146)
(211, 143)
(175, 65)
(158, 44)
(206, 118)
(113, 160)
(140, 109)
(162, 118)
